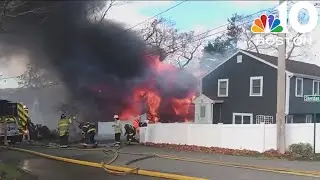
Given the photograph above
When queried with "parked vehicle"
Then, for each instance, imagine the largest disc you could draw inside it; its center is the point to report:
(17, 119)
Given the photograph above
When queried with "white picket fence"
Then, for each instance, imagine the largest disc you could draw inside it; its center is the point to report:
(258, 137)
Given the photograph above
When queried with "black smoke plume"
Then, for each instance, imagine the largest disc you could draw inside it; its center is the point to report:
(86, 54)
(98, 62)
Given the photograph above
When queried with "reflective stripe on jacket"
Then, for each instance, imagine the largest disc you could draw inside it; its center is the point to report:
(88, 128)
(92, 129)
(63, 126)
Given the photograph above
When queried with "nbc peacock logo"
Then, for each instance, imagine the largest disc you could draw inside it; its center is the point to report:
(266, 24)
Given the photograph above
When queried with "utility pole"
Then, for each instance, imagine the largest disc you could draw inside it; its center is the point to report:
(281, 81)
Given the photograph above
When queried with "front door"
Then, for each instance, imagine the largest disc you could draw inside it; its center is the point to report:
(203, 113)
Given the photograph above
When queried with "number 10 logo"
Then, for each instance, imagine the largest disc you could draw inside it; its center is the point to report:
(268, 23)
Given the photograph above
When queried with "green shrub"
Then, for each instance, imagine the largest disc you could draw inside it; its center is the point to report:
(301, 151)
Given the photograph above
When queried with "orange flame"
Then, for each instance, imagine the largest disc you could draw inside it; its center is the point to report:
(150, 96)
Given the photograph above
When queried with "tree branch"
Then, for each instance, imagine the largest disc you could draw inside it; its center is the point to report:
(107, 10)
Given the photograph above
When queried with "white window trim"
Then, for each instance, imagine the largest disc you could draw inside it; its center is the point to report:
(227, 90)
(315, 82)
(299, 95)
(308, 115)
(261, 85)
(242, 114)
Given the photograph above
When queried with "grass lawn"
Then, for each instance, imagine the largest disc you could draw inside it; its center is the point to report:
(9, 172)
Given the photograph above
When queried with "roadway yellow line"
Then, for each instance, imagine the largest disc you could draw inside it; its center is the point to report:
(230, 164)
(110, 167)
(247, 166)
(221, 163)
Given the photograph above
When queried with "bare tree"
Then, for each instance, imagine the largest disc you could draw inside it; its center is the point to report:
(176, 47)
(251, 43)
(162, 36)
(190, 43)
(13, 9)
(98, 11)
(35, 77)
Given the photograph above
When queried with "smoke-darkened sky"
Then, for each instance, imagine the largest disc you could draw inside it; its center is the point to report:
(99, 63)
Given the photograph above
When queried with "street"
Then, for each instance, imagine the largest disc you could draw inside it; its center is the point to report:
(45, 169)
(210, 171)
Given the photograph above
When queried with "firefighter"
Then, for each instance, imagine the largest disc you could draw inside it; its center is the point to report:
(63, 127)
(130, 133)
(89, 132)
(136, 124)
(117, 130)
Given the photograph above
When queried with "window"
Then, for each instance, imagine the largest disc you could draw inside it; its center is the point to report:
(242, 118)
(202, 111)
(256, 86)
(315, 88)
(308, 118)
(223, 87)
(299, 87)
(289, 119)
(239, 59)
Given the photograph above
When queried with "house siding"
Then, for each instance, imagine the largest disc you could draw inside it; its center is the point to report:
(239, 100)
(297, 104)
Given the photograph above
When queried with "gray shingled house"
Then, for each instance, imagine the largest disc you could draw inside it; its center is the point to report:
(242, 90)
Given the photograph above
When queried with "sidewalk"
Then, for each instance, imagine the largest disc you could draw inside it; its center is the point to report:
(190, 168)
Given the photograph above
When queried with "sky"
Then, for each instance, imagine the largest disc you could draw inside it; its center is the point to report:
(200, 16)
(190, 15)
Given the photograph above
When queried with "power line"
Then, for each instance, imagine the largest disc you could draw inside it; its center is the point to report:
(12, 77)
(213, 29)
(155, 15)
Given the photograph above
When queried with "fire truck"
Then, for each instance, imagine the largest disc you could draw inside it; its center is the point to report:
(17, 118)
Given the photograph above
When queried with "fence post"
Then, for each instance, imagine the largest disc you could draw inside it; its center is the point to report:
(263, 126)
(314, 133)
(220, 127)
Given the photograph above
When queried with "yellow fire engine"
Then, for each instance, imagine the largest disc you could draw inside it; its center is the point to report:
(16, 115)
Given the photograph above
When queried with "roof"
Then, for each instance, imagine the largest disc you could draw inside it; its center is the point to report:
(291, 65)
(205, 99)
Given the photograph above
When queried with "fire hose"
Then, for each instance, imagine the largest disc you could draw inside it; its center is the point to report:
(107, 151)
(116, 152)
(115, 157)
(145, 156)
(219, 163)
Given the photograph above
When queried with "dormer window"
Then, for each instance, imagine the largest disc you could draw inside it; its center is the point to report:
(239, 59)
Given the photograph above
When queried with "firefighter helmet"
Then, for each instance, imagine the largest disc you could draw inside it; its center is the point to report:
(63, 116)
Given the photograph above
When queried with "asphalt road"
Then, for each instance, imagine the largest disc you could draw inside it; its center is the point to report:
(44, 169)
(178, 167)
